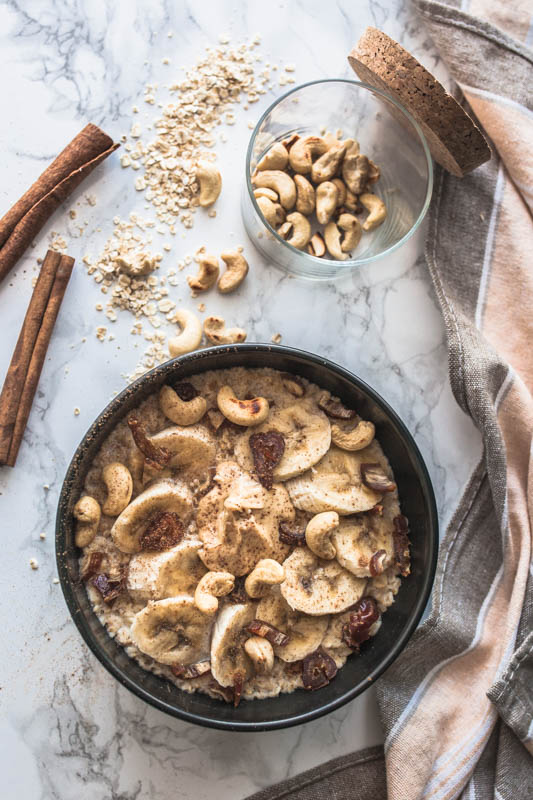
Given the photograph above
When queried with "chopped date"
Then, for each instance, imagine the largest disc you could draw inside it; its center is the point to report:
(363, 616)
(238, 594)
(191, 670)
(291, 535)
(93, 565)
(400, 538)
(238, 683)
(375, 477)
(318, 670)
(258, 627)
(185, 391)
(334, 408)
(267, 451)
(109, 588)
(165, 529)
(377, 563)
(156, 457)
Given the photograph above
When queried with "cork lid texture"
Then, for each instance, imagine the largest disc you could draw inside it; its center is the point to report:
(453, 137)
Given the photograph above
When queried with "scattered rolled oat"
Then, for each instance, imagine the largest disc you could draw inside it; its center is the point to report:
(34, 564)
(101, 332)
(55, 580)
(42, 535)
(76, 412)
(276, 338)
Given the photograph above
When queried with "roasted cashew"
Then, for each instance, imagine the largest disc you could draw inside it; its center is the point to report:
(275, 158)
(351, 203)
(210, 587)
(265, 192)
(296, 230)
(210, 182)
(332, 236)
(353, 232)
(274, 213)
(356, 439)
(266, 573)
(318, 534)
(236, 271)
(216, 331)
(305, 195)
(87, 512)
(376, 208)
(242, 412)
(326, 201)
(374, 172)
(316, 246)
(261, 652)
(302, 152)
(355, 170)
(119, 483)
(191, 333)
(282, 183)
(342, 191)
(207, 274)
(182, 412)
(326, 166)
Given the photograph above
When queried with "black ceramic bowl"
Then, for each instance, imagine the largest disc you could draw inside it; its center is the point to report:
(418, 504)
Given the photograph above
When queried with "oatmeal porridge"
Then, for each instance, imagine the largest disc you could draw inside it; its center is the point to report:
(241, 534)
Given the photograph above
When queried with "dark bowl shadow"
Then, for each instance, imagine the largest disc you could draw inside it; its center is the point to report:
(401, 619)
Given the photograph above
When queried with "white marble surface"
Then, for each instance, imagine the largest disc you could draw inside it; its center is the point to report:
(67, 729)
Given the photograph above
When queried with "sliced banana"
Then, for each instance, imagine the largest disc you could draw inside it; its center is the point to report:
(238, 521)
(316, 587)
(172, 631)
(305, 633)
(307, 434)
(335, 484)
(193, 449)
(155, 576)
(165, 495)
(229, 661)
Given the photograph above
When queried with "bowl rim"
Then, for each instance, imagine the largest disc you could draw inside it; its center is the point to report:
(341, 267)
(77, 614)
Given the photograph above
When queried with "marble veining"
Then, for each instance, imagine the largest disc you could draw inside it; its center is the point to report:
(68, 730)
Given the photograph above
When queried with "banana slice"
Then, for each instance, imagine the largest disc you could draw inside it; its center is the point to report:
(229, 661)
(307, 434)
(193, 450)
(335, 484)
(165, 495)
(317, 587)
(172, 631)
(156, 576)
(238, 521)
(305, 633)
(365, 544)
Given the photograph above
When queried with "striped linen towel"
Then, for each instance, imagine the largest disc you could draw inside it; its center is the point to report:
(457, 706)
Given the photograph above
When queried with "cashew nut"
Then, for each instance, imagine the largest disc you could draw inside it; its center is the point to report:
(351, 203)
(275, 158)
(341, 189)
(182, 412)
(318, 534)
(261, 652)
(242, 412)
(210, 182)
(216, 331)
(374, 172)
(266, 573)
(305, 195)
(272, 212)
(296, 230)
(316, 246)
(282, 183)
(376, 208)
(353, 232)
(191, 333)
(355, 170)
(236, 271)
(207, 274)
(264, 192)
(326, 201)
(327, 165)
(210, 587)
(119, 483)
(302, 152)
(356, 439)
(87, 512)
(332, 235)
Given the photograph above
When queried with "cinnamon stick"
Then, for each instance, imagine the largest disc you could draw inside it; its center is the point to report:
(25, 219)
(30, 352)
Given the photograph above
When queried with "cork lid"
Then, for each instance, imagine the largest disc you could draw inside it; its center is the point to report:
(453, 137)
